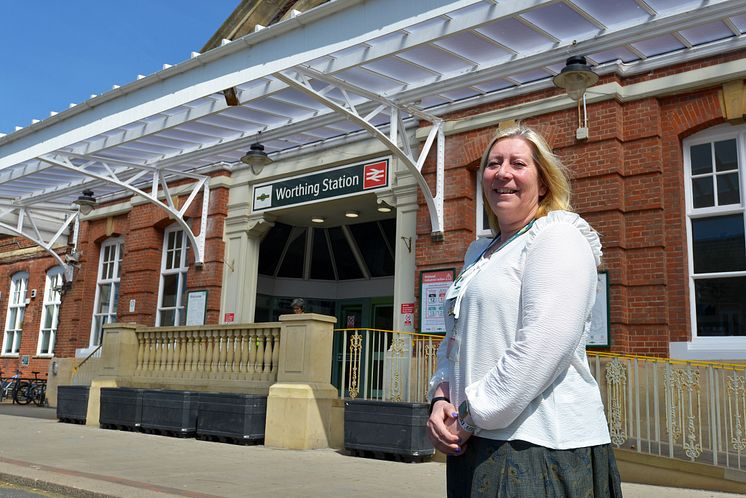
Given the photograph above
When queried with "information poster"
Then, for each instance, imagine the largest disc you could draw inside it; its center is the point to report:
(196, 307)
(433, 288)
(600, 327)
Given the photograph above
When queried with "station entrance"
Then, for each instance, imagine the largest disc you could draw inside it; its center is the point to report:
(346, 270)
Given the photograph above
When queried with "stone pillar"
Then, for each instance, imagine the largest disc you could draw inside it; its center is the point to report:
(405, 254)
(118, 361)
(243, 237)
(397, 359)
(300, 405)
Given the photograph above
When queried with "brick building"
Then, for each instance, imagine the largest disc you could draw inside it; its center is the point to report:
(351, 219)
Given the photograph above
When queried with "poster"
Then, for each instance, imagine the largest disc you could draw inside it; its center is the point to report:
(599, 334)
(196, 307)
(433, 288)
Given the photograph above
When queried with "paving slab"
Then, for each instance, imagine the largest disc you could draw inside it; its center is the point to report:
(78, 460)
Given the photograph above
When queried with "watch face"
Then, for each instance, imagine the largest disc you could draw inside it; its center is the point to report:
(463, 410)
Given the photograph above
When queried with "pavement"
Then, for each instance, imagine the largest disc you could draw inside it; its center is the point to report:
(63, 459)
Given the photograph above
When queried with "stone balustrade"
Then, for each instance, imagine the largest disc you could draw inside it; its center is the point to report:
(248, 352)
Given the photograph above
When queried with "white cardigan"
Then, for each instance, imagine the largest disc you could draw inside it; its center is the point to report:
(522, 328)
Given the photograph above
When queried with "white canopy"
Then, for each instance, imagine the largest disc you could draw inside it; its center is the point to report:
(343, 70)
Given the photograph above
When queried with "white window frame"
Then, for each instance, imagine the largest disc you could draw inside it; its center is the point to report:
(14, 324)
(51, 303)
(480, 215)
(178, 266)
(720, 347)
(112, 280)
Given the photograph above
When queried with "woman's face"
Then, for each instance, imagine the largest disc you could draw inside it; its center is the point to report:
(512, 184)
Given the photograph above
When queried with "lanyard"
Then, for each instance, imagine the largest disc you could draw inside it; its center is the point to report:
(458, 288)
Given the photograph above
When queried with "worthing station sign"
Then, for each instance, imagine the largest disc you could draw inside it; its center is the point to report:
(329, 184)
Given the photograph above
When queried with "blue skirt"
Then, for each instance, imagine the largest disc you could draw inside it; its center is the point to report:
(517, 469)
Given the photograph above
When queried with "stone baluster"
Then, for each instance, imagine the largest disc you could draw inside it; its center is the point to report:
(170, 352)
(140, 353)
(242, 354)
(188, 354)
(251, 367)
(215, 355)
(148, 357)
(182, 343)
(158, 353)
(201, 350)
(223, 356)
(275, 353)
(267, 354)
(259, 368)
(230, 354)
(208, 353)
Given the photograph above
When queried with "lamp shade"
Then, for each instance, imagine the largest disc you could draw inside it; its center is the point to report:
(256, 158)
(575, 77)
(86, 202)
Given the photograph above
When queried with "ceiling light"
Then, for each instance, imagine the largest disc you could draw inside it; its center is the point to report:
(318, 219)
(352, 214)
(383, 207)
(575, 77)
(86, 202)
(256, 158)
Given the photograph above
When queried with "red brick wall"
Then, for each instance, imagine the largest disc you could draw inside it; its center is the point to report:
(142, 230)
(628, 182)
(36, 264)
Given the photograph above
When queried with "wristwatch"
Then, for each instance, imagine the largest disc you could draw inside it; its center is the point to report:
(464, 417)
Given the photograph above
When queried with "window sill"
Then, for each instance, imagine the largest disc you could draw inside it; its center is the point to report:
(714, 348)
(45, 356)
(10, 355)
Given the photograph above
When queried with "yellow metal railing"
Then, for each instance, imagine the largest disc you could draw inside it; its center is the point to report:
(383, 364)
(689, 410)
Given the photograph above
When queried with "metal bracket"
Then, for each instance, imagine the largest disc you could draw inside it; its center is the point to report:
(28, 223)
(302, 83)
(124, 178)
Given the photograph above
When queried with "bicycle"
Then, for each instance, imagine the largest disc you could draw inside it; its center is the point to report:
(9, 387)
(39, 393)
(31, 390)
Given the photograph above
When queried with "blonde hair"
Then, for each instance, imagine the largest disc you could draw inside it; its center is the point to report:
(552, 173)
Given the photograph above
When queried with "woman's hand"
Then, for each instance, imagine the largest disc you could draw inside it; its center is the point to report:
(443, 429)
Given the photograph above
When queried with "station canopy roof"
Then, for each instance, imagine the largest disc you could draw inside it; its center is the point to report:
(299, 81)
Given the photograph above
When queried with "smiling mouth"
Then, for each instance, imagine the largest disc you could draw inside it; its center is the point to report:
(504, 190)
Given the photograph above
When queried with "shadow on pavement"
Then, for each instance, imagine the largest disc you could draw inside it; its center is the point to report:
(32, 411)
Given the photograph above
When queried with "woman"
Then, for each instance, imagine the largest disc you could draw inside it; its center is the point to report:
(514, 405)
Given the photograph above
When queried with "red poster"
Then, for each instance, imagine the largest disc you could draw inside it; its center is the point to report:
(407, 308)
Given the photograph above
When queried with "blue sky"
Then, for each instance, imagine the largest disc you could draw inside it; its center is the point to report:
(56, 52)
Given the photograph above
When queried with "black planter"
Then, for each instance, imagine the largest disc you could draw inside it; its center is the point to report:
(237, 418)
(169, 412)
(386, 429)
(72, 404)
(121, 408)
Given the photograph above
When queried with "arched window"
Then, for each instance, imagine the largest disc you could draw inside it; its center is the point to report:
(107, 287)
(50, 312)
(172, 289)
(714, 162)
(16, 312)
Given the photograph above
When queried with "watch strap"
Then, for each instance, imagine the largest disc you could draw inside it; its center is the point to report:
(435, 400)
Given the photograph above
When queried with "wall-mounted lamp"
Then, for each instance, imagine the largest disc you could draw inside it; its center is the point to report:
(352, 214)
(576, 77)
(256, 158)
(86, 202)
